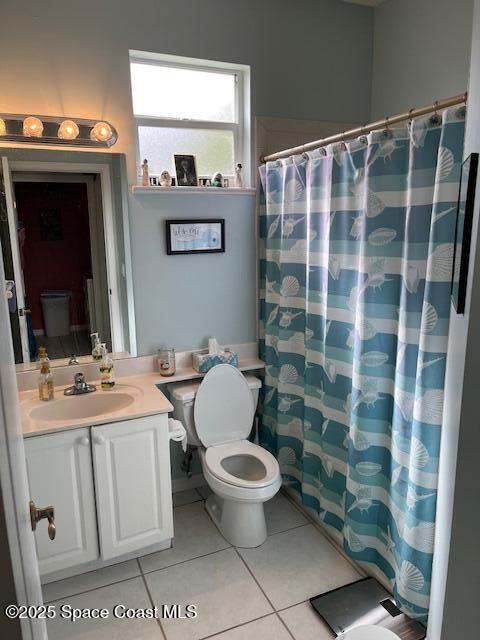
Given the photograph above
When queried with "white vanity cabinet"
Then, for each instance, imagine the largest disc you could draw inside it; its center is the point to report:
(110, 486)
(59, 468)
(132, 477)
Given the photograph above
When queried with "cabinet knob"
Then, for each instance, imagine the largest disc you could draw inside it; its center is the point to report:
(84, 441)
(99, 439)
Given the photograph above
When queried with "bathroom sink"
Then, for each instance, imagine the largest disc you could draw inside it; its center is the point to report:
(84, 406)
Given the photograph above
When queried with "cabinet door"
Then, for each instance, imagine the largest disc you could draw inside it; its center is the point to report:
(59, 468)
(133, 484)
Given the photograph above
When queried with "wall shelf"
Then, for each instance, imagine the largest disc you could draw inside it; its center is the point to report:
(188, 373)
(231, 191)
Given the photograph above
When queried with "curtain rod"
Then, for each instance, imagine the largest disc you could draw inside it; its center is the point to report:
(366, 128)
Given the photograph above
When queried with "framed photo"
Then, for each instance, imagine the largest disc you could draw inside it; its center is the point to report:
(195, 236)
(463, 231)
(186, 170)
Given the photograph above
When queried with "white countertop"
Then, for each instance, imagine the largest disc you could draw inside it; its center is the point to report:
(148, 399)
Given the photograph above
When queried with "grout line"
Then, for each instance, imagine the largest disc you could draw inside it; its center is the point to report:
(297, 526)
(292, 606)
(186, 504)
(255, 579)
(237, 626)
(285, 625)
(81, 593)
(175, 564)
(323, 531)
(203, 555)
(153, 606)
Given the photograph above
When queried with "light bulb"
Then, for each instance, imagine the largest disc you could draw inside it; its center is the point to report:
(32, 127)
(68, 130)
(3, 128)
(101, 132)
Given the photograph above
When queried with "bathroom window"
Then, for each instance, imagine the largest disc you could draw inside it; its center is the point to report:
(185, 106)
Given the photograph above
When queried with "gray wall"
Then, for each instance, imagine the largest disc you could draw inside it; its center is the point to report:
(456, 578)
(309, 59)
(421, 53)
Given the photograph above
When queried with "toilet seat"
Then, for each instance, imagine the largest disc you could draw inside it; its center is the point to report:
(369, 632)
(262, 471)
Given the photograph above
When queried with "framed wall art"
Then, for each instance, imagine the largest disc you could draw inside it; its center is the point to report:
(463, 231)
(202, 235)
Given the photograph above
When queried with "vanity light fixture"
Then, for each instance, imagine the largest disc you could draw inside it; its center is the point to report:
(101, 132)
(52, 130)
(68, 130)
(32, 127)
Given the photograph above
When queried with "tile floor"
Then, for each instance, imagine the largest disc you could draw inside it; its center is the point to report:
(241, 594)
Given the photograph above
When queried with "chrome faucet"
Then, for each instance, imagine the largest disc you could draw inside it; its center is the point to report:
(79, 386)
(73, 359)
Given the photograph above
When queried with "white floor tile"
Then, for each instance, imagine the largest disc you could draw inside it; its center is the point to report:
(305, 624)
(268, 628)
(131, 593)
(219, 585)
(186, 497)
(204, 491)
(296, 565)
(194, 535)
(90, 580)
(281, 515)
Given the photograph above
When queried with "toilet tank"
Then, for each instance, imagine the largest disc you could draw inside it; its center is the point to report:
(182, 396)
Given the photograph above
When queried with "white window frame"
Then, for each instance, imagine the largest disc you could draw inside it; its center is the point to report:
(240, 128)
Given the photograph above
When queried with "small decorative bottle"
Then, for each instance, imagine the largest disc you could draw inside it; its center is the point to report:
(238, 176)
(106, 370)
(97, 347)
(45, 381)
(145, 178)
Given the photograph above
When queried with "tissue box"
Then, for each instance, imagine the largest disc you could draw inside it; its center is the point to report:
(202, 361)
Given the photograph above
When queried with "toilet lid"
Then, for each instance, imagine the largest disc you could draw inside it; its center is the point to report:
(223, 410)
(369, 632)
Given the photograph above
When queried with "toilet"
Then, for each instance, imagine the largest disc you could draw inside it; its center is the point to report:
(218, 416)
(369, 632)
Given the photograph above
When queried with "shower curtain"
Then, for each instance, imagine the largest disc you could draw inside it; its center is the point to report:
(356, 249)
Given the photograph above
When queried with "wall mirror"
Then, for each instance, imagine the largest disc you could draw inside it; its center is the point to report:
(64, 239)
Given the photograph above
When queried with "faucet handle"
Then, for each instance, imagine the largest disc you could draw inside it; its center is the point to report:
(79, 379)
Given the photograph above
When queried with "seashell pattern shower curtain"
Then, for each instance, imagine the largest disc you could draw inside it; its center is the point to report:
(356, 249)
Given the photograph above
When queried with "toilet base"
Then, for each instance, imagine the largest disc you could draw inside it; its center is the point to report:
(241, 523)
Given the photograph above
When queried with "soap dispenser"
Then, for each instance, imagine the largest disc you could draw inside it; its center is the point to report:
(106, 369)
(42, 357)
(45, 380)
(97, 347)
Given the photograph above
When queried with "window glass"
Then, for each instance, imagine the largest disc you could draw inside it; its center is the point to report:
(171, 92)
(213, 149)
